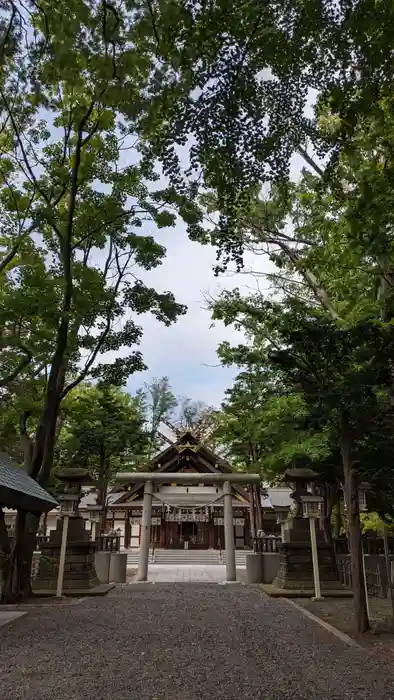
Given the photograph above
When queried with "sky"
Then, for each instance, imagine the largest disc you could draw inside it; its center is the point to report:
(186, 352)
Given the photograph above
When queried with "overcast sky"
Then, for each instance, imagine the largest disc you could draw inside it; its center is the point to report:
(186, 351)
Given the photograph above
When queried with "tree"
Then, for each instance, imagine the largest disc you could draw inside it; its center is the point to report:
(103, 432)
(71, 216)
(265, 427)
(192, 415)
(243, 81)
(240, 423)
(158, 403)
(339, 372)
(268, 427)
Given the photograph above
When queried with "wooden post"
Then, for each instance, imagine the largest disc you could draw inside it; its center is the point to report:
(163, 528)
(126, 530)
(259, 514)
(63, 549)
(315, 561)
(388, 567)
(252, 514)
(211, 534)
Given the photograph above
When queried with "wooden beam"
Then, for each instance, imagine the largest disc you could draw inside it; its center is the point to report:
(182, 478)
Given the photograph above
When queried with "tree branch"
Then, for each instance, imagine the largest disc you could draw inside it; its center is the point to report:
(319, 292)
(104, 334)
(310, 161)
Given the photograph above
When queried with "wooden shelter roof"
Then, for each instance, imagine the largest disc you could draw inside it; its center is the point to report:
(18, 490)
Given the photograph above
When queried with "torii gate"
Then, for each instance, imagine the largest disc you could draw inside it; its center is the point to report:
(149, 479)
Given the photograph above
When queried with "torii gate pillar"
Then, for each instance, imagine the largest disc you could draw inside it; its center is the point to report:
(182, 478)
(231, 573)
(145, 532)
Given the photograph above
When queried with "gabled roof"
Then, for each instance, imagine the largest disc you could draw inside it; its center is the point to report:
(18, 490)
(186, 452)
(187, 444)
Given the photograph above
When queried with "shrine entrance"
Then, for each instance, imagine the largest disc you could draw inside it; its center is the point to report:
(187, 535)
(150, 479)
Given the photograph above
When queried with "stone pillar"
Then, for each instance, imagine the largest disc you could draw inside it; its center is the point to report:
(145, 533)
(254, 567)
(101, 562)
(118, 567)
(231, 574)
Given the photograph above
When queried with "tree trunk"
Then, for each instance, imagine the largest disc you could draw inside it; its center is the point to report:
(329, 494)
(355, 541)
(102, 500)
(17, 574)
(18, 581)
(338, 517)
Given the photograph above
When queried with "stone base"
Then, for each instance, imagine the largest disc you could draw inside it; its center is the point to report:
(254, 568)
(296, 567)
(79, 570)
(100, 590)
(274, 592)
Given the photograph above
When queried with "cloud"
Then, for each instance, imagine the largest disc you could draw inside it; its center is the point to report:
(186, 351)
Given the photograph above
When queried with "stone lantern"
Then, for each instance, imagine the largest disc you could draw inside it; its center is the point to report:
(296, 570)
(282, 514)
(362, 491)
(67, 560)
(94, 513)
(311, 507)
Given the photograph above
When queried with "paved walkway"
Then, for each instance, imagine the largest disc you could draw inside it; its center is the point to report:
(158, 573)
(183, 642)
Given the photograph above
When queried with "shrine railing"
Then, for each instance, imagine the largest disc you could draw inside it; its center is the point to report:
(375, 585)
(371, 545)
(41, 539)
(108, 543)
(267, 543)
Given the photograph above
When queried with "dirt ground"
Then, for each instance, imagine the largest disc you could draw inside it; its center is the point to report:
(339, 613)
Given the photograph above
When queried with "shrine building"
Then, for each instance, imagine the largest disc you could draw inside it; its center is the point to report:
(190, 516)
(185, 516)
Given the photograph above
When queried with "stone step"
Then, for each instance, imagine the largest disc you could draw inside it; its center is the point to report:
(197, 557)
(168, 556)
(181, 556)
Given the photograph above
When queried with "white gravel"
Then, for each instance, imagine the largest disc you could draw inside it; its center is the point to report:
(182, 642)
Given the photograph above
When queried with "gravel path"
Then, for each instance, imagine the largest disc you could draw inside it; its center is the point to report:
(182, 642)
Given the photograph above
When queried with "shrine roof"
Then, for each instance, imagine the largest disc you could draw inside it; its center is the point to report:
(186, 453)
(188, 443)
(18, 490)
